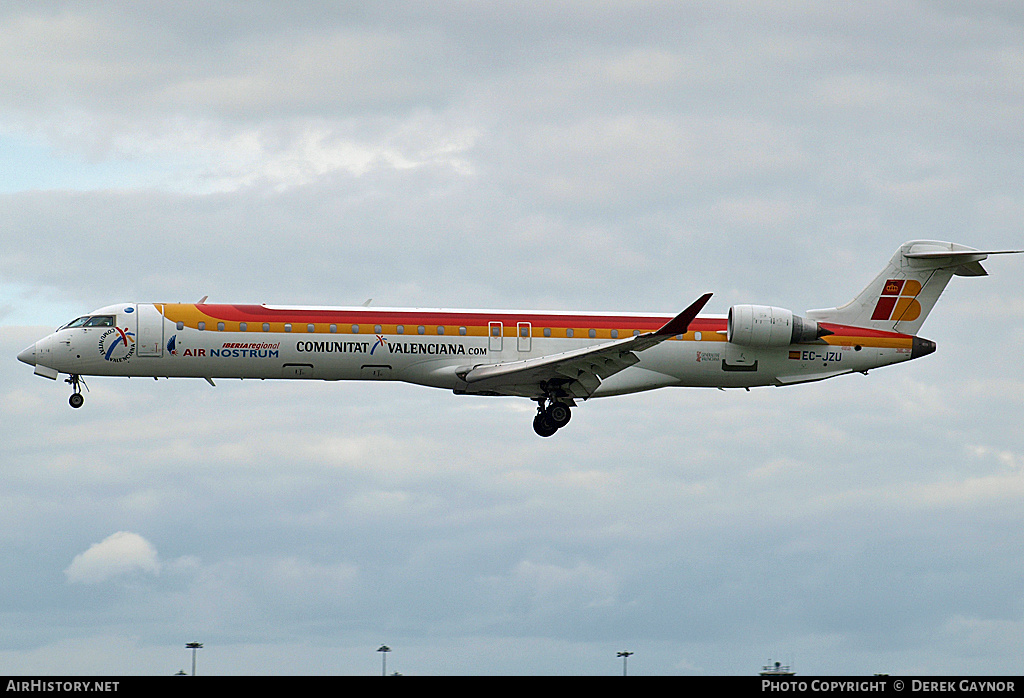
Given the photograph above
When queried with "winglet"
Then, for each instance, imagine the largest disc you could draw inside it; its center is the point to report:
(681, 322)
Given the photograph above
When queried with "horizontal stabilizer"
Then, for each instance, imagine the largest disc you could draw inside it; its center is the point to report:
(964, 262)
(955, 254)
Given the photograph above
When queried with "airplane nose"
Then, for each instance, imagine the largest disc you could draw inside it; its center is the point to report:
(28, 356)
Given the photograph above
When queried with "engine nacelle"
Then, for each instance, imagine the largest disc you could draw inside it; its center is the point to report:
(765, 326)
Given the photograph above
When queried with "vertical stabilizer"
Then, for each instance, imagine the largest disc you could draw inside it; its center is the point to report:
(902, 295)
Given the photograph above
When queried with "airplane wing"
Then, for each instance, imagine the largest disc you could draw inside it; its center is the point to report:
(574, 374)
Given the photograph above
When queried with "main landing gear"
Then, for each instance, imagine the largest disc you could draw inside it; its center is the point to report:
(76, 383)
(551, 418)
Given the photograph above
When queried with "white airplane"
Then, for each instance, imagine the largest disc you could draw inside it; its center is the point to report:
(554, 358)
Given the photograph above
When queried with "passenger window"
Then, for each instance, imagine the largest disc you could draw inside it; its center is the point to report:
(180, 325)
(569, 333)
(547, 331)
(615, 334)
(355, 329)
(242, 327)
(310, 328)
(201, 326)
(334, 329)
(421, 329)
(462, 331)
(220, 326)
(400, 329)
(440, 329)
(266, 327)
(592, 333)
(377, 329)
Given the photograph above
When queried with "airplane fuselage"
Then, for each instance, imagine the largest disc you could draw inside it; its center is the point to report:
(436, 347)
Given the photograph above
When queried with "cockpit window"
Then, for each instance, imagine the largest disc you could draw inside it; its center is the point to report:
(91, 321)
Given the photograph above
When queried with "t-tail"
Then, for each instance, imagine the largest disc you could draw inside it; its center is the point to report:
(900, 298)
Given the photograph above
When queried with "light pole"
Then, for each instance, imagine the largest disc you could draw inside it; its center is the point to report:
(193, 646)
(625, 656)
(384, 649)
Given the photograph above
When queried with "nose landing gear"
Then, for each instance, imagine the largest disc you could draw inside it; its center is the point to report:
(76, 383)
(551, 418)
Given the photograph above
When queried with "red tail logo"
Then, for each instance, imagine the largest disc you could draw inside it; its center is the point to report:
(898, 301)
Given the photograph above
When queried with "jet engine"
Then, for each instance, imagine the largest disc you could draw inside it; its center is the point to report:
(765, 326)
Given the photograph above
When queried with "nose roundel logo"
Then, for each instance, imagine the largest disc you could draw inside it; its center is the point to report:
(117, 344)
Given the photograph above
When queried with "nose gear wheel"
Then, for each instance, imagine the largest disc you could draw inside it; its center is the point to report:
(77, 399)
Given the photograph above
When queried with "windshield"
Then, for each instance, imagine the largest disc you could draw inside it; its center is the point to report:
(91, 321)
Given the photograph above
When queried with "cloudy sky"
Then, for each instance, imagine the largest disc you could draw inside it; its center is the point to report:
(549, 155)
